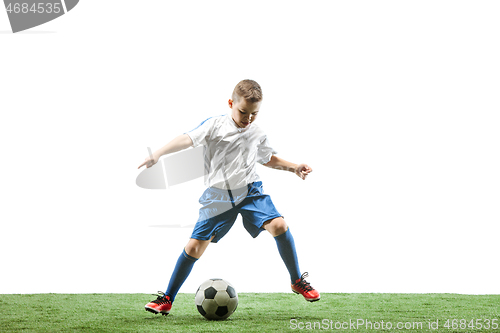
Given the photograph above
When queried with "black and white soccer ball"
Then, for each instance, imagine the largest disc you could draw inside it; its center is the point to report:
(216, 299)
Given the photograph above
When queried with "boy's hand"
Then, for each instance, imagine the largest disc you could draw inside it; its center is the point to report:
(149, 161)
(303, 170)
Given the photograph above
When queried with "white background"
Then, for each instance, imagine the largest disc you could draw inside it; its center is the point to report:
(394, 104)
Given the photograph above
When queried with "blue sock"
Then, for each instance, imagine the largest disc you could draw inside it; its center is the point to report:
(286, 248)
(181, 271)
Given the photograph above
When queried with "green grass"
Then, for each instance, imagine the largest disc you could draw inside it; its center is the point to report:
(275, 312)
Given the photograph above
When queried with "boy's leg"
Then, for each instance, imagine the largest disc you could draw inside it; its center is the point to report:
(286, 246)
(195, 247)
(191, 253)
(278, 228)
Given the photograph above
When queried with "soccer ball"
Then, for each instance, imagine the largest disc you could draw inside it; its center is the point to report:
(216, 299)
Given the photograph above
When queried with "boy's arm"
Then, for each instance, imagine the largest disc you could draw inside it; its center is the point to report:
(301, 170)
(179, 143)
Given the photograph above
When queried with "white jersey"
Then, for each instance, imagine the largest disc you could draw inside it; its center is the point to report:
(231, 152)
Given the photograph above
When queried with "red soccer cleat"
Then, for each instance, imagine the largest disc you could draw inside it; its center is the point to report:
(160, 305)
(301, 286)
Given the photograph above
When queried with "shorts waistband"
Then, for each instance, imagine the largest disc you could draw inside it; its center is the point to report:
(236, 191)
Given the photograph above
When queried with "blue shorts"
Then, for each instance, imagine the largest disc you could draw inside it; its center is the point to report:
(221, 207)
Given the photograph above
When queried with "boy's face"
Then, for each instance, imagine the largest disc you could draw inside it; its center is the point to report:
(244, 113)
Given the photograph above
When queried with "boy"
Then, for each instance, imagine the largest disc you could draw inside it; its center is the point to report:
(233, 144)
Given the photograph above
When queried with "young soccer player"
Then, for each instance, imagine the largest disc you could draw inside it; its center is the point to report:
(233, 145)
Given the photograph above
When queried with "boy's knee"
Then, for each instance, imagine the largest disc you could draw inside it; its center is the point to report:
(281, 228)
(276, 226)
(196, 247)
(193, 249)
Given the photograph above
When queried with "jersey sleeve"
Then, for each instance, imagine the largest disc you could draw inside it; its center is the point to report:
(200, 134)
(265, 151)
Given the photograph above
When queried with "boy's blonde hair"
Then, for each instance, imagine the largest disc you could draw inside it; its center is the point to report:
(249, 90)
